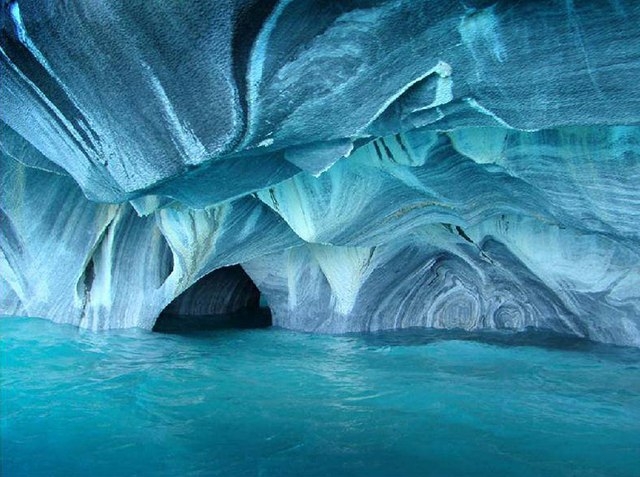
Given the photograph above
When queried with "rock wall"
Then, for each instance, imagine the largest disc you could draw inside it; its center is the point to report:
(370, 164)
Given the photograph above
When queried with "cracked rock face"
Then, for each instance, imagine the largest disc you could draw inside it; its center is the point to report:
(369, 164)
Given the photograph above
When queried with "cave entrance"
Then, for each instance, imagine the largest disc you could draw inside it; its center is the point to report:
(226, 298)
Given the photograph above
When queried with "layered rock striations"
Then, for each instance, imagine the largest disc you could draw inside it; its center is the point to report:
(369, 164)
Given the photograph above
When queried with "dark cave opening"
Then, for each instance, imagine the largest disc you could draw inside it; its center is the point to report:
(225, 298)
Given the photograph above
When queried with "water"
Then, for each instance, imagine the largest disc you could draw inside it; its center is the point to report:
(270, 402)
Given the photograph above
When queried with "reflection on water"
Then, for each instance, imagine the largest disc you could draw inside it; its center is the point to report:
(272, 402)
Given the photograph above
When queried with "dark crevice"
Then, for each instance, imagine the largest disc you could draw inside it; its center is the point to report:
(89, 276)
(375, 145)
(272, 194)
(166, 261)
(387, 150)
(85, 282)
(462, 234)
(87, 279)
(402, 145)
(223, 299)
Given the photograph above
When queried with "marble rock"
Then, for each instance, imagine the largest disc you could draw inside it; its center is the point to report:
(370, 164)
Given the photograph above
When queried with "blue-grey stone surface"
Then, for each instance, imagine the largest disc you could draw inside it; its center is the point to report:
(370, 164)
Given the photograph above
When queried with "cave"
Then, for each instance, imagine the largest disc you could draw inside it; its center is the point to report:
(225, 298)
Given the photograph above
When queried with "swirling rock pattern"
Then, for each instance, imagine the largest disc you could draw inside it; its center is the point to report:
(370, 164)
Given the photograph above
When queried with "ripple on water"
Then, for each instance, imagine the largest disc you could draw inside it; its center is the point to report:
(274, 402)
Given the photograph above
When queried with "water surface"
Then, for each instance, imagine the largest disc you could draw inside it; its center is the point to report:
(270, 402)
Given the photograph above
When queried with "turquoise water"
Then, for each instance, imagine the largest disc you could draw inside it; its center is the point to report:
(270, 402)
